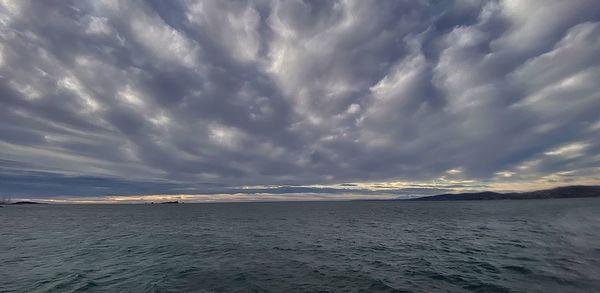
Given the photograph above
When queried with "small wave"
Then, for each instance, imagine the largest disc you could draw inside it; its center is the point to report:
(282, 248)
(486, 287)
(73, 282)
(85, 287)
(381, 286)
(518, 269)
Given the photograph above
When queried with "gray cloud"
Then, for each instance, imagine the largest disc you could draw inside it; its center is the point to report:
(132, 97)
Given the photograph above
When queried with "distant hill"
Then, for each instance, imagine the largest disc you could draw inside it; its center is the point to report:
(559, 192)
(26, 202)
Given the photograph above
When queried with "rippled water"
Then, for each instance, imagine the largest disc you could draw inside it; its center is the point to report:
(490, 246)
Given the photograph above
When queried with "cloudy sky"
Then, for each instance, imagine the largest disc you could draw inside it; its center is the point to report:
(246, 100)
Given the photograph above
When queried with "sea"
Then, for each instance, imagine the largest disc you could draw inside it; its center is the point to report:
(550, 245)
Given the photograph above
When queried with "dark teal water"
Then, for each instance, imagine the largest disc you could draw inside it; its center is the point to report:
(491, 246)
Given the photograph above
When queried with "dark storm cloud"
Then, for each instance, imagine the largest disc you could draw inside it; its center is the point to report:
(131, 97)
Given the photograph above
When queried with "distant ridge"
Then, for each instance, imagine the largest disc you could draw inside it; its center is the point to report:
(26, 203)
(559, 192)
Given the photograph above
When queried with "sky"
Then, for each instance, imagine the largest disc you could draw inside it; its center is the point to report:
(124, 101)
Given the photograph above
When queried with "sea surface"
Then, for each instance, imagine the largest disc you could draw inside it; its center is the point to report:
(478, 246)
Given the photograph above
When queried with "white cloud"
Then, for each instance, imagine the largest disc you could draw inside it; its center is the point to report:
(235, 28)
(164, 41)
(98, 25)
(568, 151)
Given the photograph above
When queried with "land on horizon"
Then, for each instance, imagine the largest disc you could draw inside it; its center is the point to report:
(572, 191)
